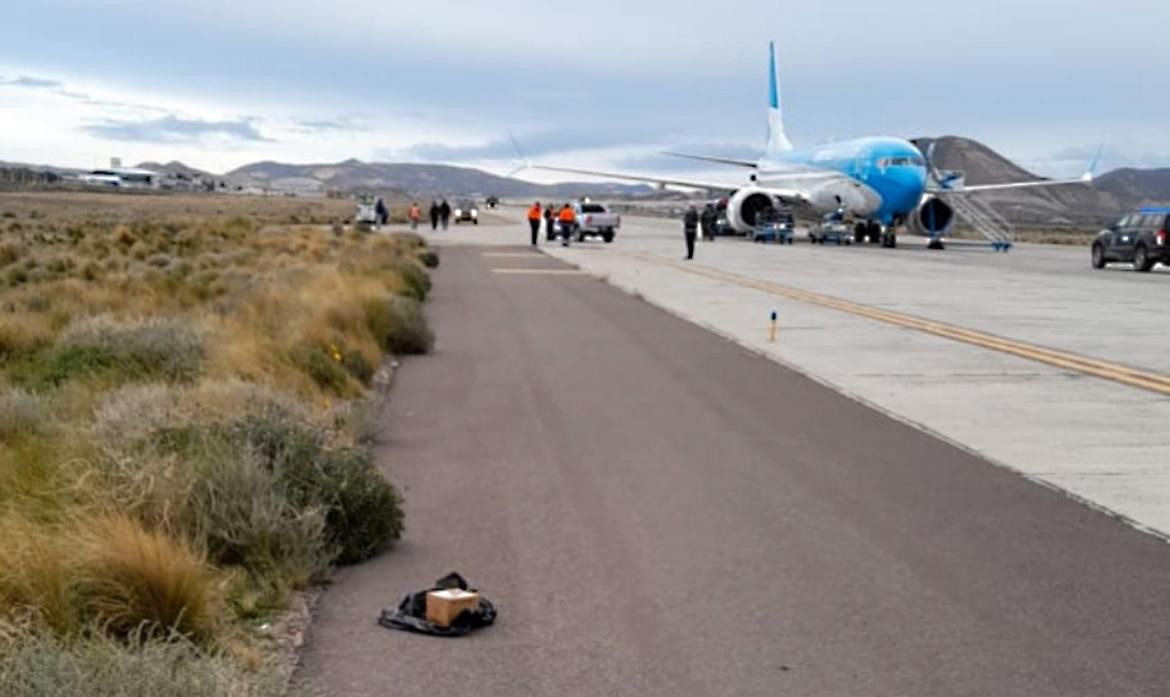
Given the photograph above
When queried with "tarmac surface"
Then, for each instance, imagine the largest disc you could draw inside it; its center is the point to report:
(1100, 440)
(656, 510)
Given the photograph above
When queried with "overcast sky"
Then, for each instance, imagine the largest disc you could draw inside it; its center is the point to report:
(218, 84)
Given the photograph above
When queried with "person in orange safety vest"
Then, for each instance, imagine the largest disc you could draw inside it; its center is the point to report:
(568, 220)
(534, 220)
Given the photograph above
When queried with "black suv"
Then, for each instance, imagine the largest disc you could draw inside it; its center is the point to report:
(1142, 238)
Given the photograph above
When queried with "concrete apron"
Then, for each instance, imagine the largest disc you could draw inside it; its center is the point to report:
(1100, 441)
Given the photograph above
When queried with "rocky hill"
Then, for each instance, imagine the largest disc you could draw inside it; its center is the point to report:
(422, 179)
(1108, 196)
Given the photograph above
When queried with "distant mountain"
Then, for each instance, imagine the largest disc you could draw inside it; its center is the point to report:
(1146, 185)
(423, 179)
(1108, 197)
(174, 167)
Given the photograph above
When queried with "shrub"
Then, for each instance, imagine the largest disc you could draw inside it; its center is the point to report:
(399, 325)
(418, 283)
(137, 350)
(358, 366)
(137, 580)
(363, 511)
(21, 414)
(239, 512)
(429, 258)
(36, 664)
(324, 369)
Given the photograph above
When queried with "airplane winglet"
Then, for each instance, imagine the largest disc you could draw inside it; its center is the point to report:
(526, 163)
(1091, 172)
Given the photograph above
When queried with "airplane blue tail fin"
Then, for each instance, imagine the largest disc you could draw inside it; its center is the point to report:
(778, 141)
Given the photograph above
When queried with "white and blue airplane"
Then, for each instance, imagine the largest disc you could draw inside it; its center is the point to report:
(883, 183)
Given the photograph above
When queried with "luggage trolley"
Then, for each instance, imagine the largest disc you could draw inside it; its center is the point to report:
(774, 226)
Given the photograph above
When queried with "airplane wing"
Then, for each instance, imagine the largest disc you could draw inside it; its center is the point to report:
(943, 182)
(795, 196)
(708, 184)
(1087, 179)
(751, 164)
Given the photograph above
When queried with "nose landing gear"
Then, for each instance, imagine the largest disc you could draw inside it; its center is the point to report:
(867, 231)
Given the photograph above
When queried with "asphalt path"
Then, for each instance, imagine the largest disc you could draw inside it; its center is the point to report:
(656, 511)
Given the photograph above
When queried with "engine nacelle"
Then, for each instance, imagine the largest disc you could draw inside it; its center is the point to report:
(745, 204)
(934, 217)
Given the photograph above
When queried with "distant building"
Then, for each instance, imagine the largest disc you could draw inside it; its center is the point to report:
(123, 178)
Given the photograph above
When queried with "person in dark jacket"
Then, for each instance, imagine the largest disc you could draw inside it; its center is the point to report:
(549, 219)
(445, 213)
(690, 228)
(434, 215)
(381, 211)
(707, 220)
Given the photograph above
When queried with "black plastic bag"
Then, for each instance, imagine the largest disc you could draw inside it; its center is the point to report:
(411, 615)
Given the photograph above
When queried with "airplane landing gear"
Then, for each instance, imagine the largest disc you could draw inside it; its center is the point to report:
(867, 231)
(860, 232)
(935, 243)
(889, 239)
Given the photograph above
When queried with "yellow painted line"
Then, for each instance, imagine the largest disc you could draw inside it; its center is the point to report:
(534, 272)
(1126, 375)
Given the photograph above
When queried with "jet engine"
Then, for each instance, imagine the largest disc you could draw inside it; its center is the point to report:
(934, 217)
(745, 204)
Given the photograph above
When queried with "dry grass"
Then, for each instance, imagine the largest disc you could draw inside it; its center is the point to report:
(139, 580)
(38, 664)
(106, 571)
(196, 371)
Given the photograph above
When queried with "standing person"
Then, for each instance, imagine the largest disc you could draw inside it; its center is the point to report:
(568, 220)
(414, 214)
(690, 226)
(534, 221)
(381, 211)
(444, 213)
(707, 220)
(434, 214)
(549, 220)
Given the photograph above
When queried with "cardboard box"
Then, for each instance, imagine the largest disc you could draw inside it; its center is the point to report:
(445, 605)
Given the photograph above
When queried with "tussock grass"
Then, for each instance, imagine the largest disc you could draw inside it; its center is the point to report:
(39, 664)
(107, 571)
(182, 439)
(138, 580)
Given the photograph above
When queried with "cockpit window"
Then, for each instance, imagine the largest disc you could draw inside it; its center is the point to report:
(901, 162)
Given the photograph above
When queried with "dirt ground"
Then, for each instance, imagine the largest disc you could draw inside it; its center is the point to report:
(65, 207)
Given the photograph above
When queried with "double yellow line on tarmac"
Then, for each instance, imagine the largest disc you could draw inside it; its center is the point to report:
(1126, 375)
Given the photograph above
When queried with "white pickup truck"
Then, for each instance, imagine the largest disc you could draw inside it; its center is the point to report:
(596, 220)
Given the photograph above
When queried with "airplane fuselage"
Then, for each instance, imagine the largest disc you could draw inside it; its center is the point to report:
(883, 180)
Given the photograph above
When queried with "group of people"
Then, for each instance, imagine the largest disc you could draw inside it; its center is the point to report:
(567, 217)
(440, 214)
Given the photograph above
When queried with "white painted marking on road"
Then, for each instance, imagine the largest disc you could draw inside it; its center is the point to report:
(512, 255)
(534, 272)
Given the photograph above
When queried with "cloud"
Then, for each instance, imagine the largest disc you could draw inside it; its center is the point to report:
(324, 125)
(175, 129)
(533, 145)
(35, 83)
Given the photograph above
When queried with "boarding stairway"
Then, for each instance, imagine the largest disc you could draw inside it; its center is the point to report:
(975, 212)
(985, 219)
